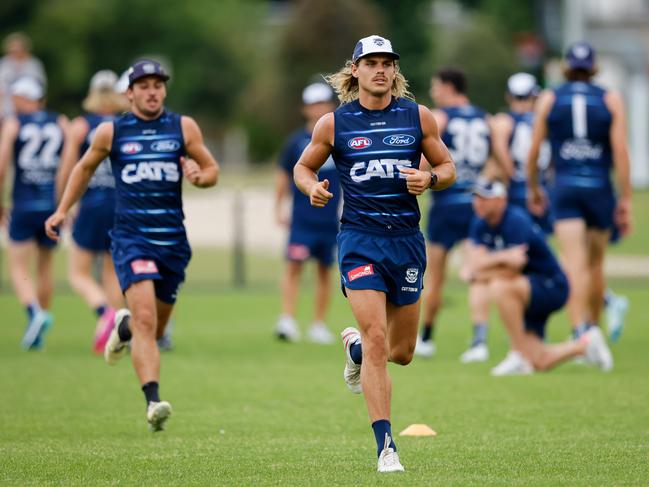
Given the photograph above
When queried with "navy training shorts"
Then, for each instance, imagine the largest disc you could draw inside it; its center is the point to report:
(449, 224)
(596, 206)
(92, 225)
(308, 244)
(30, 225)
(547, 295)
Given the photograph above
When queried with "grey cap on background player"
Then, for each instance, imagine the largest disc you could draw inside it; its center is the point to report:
(104, 80)
(487, 188)
(28, 88)
(144, 68)
(318, 93)
(373, 44)
(522, 85)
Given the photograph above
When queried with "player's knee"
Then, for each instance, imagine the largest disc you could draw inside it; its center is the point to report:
(144, 321)
(500, 289)
(402, 355)
(375, 345)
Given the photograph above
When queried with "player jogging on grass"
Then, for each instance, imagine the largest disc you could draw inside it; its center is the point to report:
(33, 138)
(586, 126)
(96, 214)
(312, 230)
(376, 139)
(147, 148)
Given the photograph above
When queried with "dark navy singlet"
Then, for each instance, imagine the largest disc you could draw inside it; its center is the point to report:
(37, 153)
(579, 131)
(145, 158)
(369, 148)
(520, 141)
(468, 138)
(101, 188)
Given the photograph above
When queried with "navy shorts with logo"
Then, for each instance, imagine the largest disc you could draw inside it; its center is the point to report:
(30, 225)
(393, 264)
(306, 244)
(136, 260)
(449, 224)
(92, 225)
(547, 295)
(595, 206)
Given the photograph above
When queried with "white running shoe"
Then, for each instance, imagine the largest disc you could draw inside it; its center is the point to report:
(513, 364)
(319, 333)
(389, 459)
(597, 351)
(352, 373)
(287, 329)
(115, 348)
(425, 349)
(477, 353)
(616, 310)
(36, 328)
(157, 414)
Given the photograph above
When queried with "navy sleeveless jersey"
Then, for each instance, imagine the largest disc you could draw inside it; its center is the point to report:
(37, 153)
(145, 158)
(101, 188)
(579, 130)
(517, 228)
(304, 215)
(520, 141)
(468, 138)
(369, 147)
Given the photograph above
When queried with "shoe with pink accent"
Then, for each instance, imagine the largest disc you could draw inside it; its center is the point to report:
(104, 327)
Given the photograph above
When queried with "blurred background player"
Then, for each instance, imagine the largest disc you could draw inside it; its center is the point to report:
(312, 230)
(510, 259)
(147, 148)
(90, 239)
(465, 131)
(33, 139)
(17, 63)
(381, 251)
(586, 126)
(511, 136)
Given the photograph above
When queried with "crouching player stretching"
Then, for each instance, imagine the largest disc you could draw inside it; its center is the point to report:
(510, 262)
(150, 250)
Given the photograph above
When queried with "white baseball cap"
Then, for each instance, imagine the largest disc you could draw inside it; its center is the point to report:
(373, 44)
(103, 80)
(122, 83)
(522, 85)
(27, 88)
(489, 189)
(317, 93)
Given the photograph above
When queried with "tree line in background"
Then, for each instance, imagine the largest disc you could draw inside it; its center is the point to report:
(243, 63)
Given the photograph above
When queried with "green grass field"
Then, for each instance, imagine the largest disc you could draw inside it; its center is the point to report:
(249, 410)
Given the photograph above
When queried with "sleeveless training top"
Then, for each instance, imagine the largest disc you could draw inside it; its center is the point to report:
(101, 188)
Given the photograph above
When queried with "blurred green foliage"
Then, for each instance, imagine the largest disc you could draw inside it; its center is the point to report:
(245, 62)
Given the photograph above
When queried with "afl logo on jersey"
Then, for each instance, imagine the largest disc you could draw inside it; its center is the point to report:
(399, 139)
(165, 146)
(131, 148)
(358, 143)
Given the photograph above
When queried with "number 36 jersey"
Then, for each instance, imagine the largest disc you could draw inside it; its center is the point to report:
(37, 152)
(468, 138)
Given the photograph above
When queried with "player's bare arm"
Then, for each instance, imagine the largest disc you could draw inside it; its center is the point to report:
(620, 149)
(481, 259)
(77, 132)
(80, 177)
(501, 130)
(201, 170)
(437, 156)
(282, 188)
(535, 195)
(305, 172)
(8, 136)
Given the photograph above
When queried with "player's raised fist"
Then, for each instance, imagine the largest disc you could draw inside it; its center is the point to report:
(319, 196)
(191, 170)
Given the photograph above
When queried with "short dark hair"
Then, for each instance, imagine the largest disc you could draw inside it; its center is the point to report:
(454, 77)
(578, 74)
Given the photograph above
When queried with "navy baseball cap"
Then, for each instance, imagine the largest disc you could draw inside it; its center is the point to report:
(581, 55)
(144, 68)
(373, 45)
(489, 189)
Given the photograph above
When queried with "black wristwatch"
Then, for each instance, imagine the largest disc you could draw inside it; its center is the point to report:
(433, 180)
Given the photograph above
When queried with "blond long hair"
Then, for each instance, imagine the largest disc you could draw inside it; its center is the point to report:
(346, 86)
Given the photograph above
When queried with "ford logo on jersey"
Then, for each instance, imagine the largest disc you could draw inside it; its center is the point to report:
(131, 148)
(165, 145)
(359, 143)
(399, 139)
